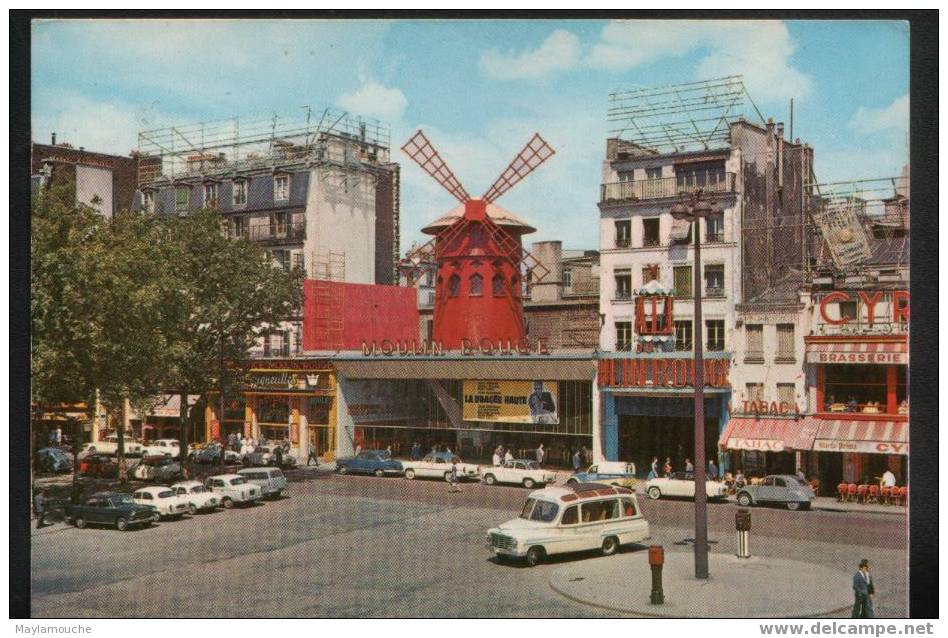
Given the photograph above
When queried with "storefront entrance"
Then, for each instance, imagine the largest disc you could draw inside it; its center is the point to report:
(642, 437)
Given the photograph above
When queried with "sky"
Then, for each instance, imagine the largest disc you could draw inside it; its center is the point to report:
(478, 88)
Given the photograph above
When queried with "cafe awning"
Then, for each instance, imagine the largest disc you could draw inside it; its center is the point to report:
(890, 351)
(764, 434)
(862, 437)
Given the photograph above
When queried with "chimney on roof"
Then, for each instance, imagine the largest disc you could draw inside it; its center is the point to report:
(54, 138)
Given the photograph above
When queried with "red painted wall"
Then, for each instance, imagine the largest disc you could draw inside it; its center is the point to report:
(339, 316)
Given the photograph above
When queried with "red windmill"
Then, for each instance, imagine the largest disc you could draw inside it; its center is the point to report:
(478, 254)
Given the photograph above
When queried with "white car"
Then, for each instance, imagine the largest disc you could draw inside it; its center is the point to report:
(163, 500)
(575, 518)
(200, 499)
(438, 465)
(162, 447)
(682, 484)
(519, 472)
(233, 489)
(270, 480)
(109, 446)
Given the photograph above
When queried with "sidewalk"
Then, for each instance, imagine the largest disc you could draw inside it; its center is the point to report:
(830, 504)
(756, 587)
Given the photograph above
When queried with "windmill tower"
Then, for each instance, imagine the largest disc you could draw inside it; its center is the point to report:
(478, 254)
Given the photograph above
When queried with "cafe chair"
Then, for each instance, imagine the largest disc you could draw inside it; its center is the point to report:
(861, 491)
(886, 495)
(873, 493)
(851, 492)
(841, 491)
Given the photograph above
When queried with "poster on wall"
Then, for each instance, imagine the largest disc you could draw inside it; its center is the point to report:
(844, 233)
(511, 401)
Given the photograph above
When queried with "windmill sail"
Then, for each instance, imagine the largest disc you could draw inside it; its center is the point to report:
(420, 149)
(533, 154)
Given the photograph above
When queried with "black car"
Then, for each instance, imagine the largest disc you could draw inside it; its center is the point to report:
(109, 508)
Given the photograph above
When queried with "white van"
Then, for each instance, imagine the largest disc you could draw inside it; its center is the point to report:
(271, 480)
(574, 518)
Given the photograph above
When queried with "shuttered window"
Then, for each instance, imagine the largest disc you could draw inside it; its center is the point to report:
(755, 392)
(683, 287)
(785, 342)
(754, 350)
(786, 393)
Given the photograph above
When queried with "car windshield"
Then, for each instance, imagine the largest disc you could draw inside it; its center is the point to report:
(527, 508)
(532, 465)
(165, 494)
(122, 499)
(238, 481)
(544, 511)
(197, 489)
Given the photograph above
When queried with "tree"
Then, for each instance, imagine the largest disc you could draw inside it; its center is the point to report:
(228, 292)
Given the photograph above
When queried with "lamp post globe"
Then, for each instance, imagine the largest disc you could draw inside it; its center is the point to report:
(680, 211)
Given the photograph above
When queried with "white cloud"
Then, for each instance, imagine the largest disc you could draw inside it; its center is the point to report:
(374, 100)
(560, 51)
(894, 117)
(759, 50)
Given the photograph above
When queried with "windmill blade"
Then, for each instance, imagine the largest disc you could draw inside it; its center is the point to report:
(420, 149)
(514, 251)
(533, 154)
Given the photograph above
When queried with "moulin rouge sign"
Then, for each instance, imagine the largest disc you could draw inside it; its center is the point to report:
(426, 348)
(669, 373)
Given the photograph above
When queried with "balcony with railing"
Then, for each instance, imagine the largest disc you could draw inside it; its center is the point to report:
(273, 234)
(666, 187)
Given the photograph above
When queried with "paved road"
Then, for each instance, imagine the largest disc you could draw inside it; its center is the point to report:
(366, 547)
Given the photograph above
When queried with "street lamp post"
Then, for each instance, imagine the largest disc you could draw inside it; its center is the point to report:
(693, 211)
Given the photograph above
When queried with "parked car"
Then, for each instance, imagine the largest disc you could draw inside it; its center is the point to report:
(682, 484)
(578, 517)
(519, 472)
(109, 446)
(101, 466)
(438, 465)
(615, 473)
(200, 499)
(376, 462)
(162, 447)
(265, 455)
(233, 489)
(780, 489)
(211, 453)
(53, 459)
(270, 480)
(109, 508)
(163, 501)
(159, 469)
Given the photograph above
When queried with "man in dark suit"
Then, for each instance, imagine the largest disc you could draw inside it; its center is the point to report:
(864, 589)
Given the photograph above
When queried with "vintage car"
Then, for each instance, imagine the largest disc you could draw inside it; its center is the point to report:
(233, 489)
(163, 501)
(780, 489)
(53, 459)
(615, 473)
(265, 455)
(518, 472)
(101, 466)
(578, 517)
(109, 446)
(211, 453)
(200, 499)
(162, 447)
(377, 462)
(438, 465)
(682, 484)
(160, 469)
(109, 508)
(270, 480)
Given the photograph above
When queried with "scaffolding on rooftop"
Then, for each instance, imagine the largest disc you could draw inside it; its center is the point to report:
(680, 117)
(263, 143)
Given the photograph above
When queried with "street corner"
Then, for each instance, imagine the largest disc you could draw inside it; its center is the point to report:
(757, 587)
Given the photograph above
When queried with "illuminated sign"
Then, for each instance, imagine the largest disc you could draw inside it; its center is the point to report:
(654, 373)
(287, 380)
(899, 300)
(469, 348)
(844, 234)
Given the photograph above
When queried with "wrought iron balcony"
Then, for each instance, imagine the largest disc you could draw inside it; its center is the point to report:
(272, 233)
(714, 238)
(666, 187)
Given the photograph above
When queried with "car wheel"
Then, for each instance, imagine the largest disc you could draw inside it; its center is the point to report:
(654, 493)
(572, 481)
(744, 499)
(343, 469)
(489, 479)
(192, 509)
(380, 473)
(81, 523)
(410, 474)
(793, 506)
(121, 524)
(534, 556)
(529, 483)
(610, 545)
(227, 502)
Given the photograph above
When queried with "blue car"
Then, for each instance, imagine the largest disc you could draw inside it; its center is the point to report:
(614, 473)
(377, 462)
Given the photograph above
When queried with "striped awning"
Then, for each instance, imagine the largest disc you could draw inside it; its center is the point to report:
(864, 437)
(857, 351)
(768, 434)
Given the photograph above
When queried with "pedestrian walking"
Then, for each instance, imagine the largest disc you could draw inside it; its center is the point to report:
(667, 468)
(388, 451)
(541, 454)
(358, 449)
(278, 455)
(712, 469)
(39, 506)
(689, 466)
(495, 460)
(577, 462)
(863, 589)
(455, 482)
(508, 456)
(801, 476)
(312, 455)
(447, 449)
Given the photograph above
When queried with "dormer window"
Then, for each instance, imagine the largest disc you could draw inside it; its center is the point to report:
(210, 195)
(182, 199)
(240, 192)
(281, 188)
